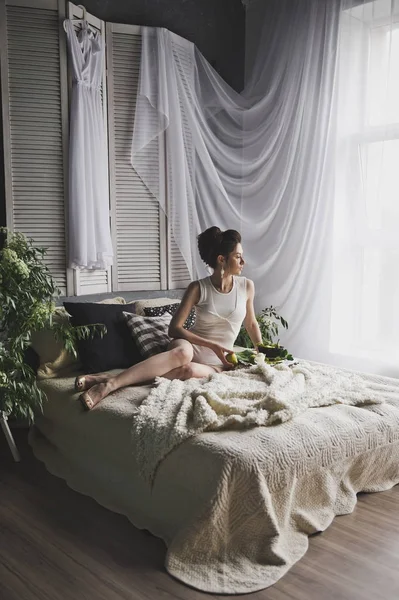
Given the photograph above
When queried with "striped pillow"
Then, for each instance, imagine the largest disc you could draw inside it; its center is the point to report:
(150, 334)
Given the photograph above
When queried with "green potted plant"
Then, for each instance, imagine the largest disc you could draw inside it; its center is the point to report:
(27, 304)
(268, 320)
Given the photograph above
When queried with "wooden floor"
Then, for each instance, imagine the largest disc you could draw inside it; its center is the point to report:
(56, 544)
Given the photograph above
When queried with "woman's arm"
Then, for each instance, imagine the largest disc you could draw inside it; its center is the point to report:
(176, 329)
(250, 322)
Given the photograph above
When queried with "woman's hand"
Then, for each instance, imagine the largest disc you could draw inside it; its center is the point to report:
(220, 352)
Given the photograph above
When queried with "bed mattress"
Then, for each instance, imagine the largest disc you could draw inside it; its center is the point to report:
(235, 508)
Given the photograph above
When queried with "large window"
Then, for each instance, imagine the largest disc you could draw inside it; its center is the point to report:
(365, 318)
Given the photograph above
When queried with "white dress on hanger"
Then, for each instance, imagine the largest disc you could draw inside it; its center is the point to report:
(90, 244)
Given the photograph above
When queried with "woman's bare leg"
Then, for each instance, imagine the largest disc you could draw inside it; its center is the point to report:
(193, 369)
(179, 353)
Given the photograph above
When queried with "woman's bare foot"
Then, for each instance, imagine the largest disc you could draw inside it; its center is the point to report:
(85, 382)
(97, 393)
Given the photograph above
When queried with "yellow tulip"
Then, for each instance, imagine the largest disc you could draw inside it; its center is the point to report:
(232, 358)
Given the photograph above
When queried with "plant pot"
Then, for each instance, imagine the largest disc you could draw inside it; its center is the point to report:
(272, 352)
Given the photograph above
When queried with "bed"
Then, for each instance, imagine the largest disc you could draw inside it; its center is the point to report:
(235, 508)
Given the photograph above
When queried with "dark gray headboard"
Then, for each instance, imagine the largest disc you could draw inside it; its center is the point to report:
(127, 295)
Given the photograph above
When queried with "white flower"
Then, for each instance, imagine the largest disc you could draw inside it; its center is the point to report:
(260, 358)
(16, 264)
(22, 268)
(41, 311)
(10, 256)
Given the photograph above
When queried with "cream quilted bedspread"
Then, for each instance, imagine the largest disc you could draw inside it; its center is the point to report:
(234, 500)
(260, 395)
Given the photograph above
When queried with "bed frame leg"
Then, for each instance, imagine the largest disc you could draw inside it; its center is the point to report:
(9, 437)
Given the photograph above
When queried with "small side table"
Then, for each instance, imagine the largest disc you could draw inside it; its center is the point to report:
(9, 436)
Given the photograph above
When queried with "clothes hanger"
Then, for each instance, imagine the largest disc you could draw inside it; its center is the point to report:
(83, 20)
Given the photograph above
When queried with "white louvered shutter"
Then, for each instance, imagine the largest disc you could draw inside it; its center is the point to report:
(35, 126)
(138, 222)
(178, 274)
(89, 281)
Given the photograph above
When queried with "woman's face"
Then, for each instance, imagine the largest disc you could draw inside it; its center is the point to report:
(235, 261)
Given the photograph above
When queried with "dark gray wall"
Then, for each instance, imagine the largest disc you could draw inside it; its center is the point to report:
(217, 27)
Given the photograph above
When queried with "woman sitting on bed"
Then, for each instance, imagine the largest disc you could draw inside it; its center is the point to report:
(222, 302)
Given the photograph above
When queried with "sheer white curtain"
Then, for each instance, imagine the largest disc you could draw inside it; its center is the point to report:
(303, 162)
(259, 162)
(365, 291)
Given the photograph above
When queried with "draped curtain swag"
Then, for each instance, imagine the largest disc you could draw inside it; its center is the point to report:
(259, 162)
(303, 162)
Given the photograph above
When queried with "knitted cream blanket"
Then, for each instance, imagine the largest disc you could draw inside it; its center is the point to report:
(260, 395)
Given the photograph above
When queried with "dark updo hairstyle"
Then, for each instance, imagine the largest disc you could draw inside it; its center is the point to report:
(213, 242)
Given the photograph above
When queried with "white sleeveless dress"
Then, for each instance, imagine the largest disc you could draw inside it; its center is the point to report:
(219, 318)
(90, 243)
